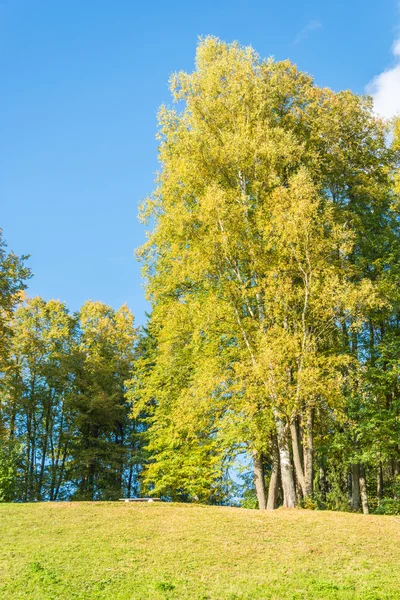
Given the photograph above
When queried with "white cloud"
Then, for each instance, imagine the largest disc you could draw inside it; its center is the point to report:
(385, 87)
(396, 48)
(311, 26)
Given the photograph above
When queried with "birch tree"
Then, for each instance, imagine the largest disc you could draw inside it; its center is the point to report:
(255, 257)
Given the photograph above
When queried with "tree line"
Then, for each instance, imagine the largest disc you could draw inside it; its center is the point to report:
(273, 272)
(65, 428)
(272, 267)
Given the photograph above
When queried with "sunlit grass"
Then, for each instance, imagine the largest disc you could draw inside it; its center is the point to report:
(118, 551)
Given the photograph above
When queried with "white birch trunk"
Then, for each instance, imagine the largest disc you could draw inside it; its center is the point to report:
(363, 491)
(309, 454)
(274, 481)
(289, 492)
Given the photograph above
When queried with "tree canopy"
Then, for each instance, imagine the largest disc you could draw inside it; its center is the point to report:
(272, 269)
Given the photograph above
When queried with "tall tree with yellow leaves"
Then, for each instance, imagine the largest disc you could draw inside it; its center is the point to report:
(259, 212)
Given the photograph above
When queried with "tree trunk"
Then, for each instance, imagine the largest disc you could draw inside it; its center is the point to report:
(363, 491)
(39, 494)
(61, 471)
(395, 471)
(289, 492)
(259, 480)
(355, 487)
(32, 467)
(12, 421)
(91, 479)
(379, 482)
(322, 483)
(120, 469)
(131, 465)
(297, 458)
(274, 481)
(297, 487)
(129, 486)
(27, 456)
(309, 453)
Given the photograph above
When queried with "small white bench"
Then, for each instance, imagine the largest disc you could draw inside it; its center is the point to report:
(140, 499)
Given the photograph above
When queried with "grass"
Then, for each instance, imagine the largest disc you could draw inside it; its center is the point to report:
(118, 551)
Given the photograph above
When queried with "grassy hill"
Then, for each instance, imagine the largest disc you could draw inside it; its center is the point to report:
(119, 551)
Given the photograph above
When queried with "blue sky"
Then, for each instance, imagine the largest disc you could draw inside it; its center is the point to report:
(80, 86)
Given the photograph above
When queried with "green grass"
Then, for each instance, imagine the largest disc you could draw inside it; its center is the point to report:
(119, 551)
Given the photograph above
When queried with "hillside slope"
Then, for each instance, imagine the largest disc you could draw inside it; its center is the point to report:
(119, 551)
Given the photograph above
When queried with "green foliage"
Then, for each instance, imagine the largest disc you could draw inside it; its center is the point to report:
(249, 499)
(309, 503)
(10, 454)
(13, 276)
(388, 506)
(272, 269)
(104, 356)
(63, 402)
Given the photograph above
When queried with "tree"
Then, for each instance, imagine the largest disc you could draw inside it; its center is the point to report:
(257, 261)
(37, 392)
(67, 425)
(103, 435)
(13, 276)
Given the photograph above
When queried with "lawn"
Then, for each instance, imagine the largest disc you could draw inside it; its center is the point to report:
(119, 551)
